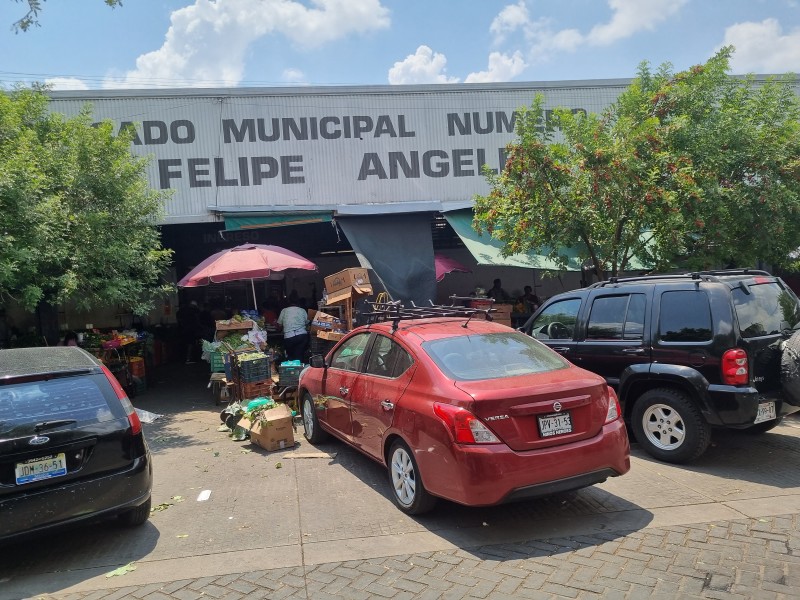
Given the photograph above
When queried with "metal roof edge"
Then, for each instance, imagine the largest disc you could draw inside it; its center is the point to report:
(324, 90)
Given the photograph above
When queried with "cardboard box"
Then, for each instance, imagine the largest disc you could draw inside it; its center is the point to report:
(333, 336)
(325, 322)
(273, 431)
(224, 326)
(356, 278)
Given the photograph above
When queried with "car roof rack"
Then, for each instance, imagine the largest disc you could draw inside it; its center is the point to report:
(695, 275)
(395, 311)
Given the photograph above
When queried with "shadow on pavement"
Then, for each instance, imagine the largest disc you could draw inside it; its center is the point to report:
(104, 545)
(591, 510)
(768, 459)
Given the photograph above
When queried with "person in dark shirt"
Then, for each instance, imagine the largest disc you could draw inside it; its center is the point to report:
(498, 293)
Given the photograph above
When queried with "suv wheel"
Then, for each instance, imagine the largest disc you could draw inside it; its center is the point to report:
(669, 426)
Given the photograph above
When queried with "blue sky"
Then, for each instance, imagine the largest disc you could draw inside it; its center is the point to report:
(83, 44)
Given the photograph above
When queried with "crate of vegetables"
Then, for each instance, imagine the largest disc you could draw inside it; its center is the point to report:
(253, 366)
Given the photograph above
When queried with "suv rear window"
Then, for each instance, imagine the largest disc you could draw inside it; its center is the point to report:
(23, 405)
(685, 317)
(492, 356)
(767, 309)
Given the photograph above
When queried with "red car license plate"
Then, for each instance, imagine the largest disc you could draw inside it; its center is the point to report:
(555, 424)
(37, 469)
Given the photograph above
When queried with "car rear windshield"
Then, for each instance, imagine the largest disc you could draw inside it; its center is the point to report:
(765, 309)
(492, 356)
(24, 405)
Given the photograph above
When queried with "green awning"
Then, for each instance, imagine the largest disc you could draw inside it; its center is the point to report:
(238, 222)
(487, 250)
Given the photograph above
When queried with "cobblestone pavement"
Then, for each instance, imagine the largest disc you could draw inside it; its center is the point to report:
(277, 525)
(754, 558)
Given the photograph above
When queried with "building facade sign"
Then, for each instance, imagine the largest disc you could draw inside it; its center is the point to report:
(324, 148)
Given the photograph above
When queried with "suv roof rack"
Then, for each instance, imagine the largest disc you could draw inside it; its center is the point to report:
(395, 311)
(707, 275)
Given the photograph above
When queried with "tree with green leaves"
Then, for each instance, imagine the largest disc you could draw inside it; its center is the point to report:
(31, 17)
(78, 220)
(697, 169)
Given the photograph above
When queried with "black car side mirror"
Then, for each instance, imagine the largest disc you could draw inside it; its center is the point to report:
(318, 361)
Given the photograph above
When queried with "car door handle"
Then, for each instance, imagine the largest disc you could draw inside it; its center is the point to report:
(387, 406)
(633, 350)
(561, 349)
(344, 391)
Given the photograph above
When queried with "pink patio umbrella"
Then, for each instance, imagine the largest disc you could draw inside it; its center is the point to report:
(445, 265)
(248, 261)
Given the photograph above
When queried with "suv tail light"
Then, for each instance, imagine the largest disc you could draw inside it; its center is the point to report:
(133, 418)
(735, 367)
(613, 407)
(465, 427)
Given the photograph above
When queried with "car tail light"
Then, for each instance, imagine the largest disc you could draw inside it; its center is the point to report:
(133, 418)
(613, 407)
(465, 427)
(735, 368)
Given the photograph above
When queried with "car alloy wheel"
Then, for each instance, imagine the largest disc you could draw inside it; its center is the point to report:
(664, 427)
(312, 431)
(669, 426)
(410, 494)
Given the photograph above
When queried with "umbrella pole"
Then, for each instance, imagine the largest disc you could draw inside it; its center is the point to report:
(253, 285)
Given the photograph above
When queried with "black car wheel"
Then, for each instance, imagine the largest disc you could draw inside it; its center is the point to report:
(409, 494)
(137, 516)
(669, 426)
(311, 429)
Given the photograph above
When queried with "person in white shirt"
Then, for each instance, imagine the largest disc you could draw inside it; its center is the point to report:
(293, 321)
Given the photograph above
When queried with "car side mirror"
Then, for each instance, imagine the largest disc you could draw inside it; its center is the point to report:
(318, 361)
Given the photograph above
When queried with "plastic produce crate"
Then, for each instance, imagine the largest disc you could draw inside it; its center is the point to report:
(256, 389)
(217, 361)
(256, 369)
(289, 375)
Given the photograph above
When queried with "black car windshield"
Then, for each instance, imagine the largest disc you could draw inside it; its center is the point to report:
(767, 309)
(68, 399)
(492, 356)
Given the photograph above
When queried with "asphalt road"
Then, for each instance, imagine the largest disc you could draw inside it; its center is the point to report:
(233, 521)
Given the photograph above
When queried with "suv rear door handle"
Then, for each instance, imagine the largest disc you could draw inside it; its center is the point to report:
(633, 350)
(561, 349)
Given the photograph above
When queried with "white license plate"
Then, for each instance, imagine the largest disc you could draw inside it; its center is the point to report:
(37, 469)
(766, 412)
(555, 424)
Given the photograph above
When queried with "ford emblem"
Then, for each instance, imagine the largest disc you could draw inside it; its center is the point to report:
(557, 406)
(39, 440)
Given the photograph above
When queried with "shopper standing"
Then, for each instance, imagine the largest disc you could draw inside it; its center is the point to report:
(293, 321)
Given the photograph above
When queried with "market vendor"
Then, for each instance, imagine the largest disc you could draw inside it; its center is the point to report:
(293, 321)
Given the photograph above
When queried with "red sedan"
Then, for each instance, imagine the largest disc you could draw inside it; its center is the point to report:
(464, 409)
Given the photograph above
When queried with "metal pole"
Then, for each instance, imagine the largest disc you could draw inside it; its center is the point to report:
(253, 285)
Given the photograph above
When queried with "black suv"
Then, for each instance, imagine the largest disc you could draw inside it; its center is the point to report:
(71, 444)
(685, 352)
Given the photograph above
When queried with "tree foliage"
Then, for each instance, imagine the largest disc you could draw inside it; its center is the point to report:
(696, 169)
(77, 216)
(31, 17)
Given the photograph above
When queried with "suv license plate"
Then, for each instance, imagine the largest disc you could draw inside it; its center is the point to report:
(555, 424)
(766, 412)
(37, 469)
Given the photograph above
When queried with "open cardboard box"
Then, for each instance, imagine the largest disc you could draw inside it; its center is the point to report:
(274, 431)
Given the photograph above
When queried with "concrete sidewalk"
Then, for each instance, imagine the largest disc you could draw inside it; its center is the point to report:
(319, 523)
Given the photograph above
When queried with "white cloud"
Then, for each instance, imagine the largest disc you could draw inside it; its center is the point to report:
(207, 42)
(509, 20)
(501, 68)
(293, 75)
(542, 42)
(66, 83)
(763, 48)
(424, 66)
(631, 17)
